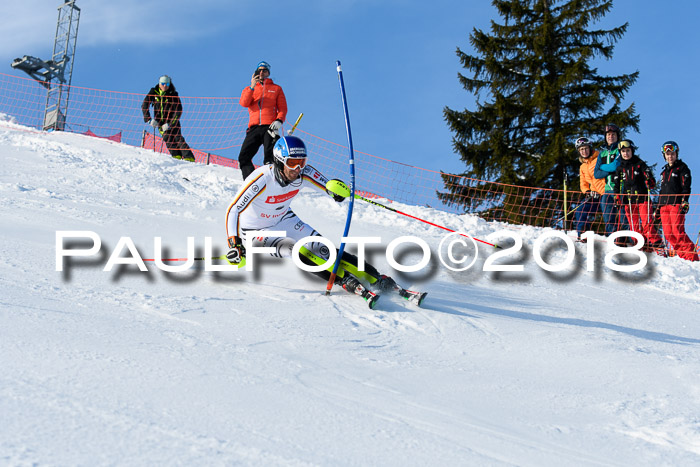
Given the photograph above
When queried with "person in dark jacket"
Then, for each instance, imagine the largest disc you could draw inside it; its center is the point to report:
(267, 110)
(605, 167)
(167, 110)
(631, 184)
(673, 201)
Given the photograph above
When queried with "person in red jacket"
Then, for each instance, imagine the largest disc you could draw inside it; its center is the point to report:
(673, 201)
(267, 109)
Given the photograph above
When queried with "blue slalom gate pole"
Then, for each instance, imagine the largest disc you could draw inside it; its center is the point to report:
(329, 286)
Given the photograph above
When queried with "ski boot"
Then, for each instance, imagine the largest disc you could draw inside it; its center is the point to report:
(353, 285)
(385, 284)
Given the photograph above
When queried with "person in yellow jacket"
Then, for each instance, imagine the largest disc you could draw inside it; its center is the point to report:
(591, 187)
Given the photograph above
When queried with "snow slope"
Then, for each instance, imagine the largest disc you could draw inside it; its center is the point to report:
(208, 368)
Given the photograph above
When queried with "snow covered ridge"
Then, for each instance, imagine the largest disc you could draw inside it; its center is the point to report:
(527, 368)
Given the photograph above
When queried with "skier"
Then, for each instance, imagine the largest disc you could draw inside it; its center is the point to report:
(267, 110)
(673, 201)
(605, 167)
(263, 203)
(167, 110)
(631, 183)
(591, 187)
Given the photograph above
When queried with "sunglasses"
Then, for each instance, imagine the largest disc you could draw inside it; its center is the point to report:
(164, 84)
(295, 162)
(670, 147)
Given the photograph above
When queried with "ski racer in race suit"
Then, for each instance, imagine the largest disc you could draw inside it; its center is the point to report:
(167, 110)
(267, 110)
(673, 201)
(263, 203)
(631, 183)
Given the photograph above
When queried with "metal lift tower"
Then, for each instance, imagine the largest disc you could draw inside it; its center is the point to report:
(56, 74)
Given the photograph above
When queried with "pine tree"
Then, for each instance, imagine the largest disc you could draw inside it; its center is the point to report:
(541, 92)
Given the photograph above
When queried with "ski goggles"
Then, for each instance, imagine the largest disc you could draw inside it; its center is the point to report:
(295, 162)
(670, 148)
(625, 144)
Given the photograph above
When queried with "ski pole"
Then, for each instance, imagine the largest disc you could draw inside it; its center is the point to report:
(295, 124)
(570, 212)
(239, 265)
(422, 220)
(185, 259)
(566, 214)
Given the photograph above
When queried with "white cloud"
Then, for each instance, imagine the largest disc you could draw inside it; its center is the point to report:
(30, 25)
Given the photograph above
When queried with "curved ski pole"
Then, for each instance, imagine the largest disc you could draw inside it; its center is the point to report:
(331, 280)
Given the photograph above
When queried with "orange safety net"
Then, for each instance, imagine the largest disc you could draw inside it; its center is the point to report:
(214, 127)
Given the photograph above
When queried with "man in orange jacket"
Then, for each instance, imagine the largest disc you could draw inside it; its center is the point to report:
(267, 109)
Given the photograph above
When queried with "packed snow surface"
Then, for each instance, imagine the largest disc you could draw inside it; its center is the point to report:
(200, 367)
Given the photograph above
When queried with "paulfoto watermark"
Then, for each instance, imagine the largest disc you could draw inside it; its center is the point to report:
(460, 252)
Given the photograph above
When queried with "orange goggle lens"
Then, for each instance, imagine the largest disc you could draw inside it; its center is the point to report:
(295, 162)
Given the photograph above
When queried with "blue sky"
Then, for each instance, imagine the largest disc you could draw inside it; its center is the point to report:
(398, 58)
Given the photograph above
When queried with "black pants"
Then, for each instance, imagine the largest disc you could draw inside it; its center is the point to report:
(176, 143)
(255, 136)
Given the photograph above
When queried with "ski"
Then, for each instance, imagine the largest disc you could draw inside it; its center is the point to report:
(379, 285)
(413, 297)
(386, 283)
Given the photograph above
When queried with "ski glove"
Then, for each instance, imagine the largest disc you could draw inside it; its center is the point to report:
(650, 181)
(164, 128)
(153, 123)
(685, 207)
(592, 194)
(275, 128)
(336, 197)
(237, 250)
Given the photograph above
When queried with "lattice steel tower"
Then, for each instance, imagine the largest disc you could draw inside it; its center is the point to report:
(56, 74)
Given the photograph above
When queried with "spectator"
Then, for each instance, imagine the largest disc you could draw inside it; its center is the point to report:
(591, 187)
(167, 110)
(632, 182)
(673, 201)
(267, 110)
(605, 167)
